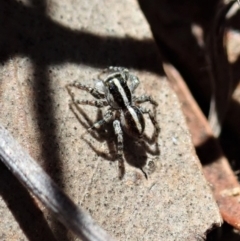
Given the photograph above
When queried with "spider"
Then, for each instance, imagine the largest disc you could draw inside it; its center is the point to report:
(116, 91)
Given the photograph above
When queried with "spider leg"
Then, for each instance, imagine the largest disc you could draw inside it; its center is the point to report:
(145, 98)
(134, 82)
(97, 103)
(153, 120)
(93, 91)
(106, 118)
(119, 134)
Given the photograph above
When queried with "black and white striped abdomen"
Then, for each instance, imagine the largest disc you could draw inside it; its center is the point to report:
(132, 121)
(119, 95)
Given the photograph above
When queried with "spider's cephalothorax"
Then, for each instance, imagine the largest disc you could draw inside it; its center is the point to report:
(116, 91)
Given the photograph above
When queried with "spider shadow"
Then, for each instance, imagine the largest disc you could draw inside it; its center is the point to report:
(104, 134)
(134, 151)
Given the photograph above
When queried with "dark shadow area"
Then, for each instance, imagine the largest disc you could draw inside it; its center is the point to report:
(23, 207)
(172, 24)
(103, 134)
(230, 136)
(235, 71)
(50, 148)
(231, 129)
(29, 32)
(224, 233)
(135, 151)
(209, 151)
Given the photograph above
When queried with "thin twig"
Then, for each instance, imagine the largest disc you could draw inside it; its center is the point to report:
(33, 177)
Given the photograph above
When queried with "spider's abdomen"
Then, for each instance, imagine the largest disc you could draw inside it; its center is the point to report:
(132, 121)
(119, 94)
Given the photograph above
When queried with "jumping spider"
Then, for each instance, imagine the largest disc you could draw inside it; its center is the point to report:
(116, 91)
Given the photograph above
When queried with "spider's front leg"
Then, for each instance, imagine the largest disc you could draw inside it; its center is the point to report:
(118, 132)
(93, 91)
(97, 103)
(153, 120)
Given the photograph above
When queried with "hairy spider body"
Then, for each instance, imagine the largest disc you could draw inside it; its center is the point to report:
(116, 91)
(119, 96)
